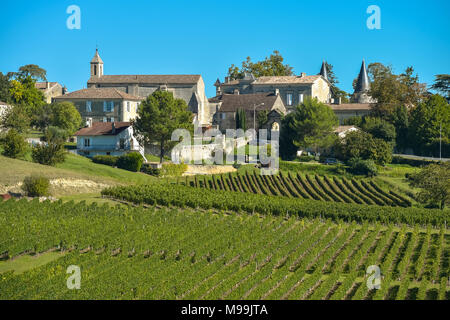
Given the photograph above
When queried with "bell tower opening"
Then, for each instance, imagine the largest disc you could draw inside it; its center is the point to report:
(96, 65)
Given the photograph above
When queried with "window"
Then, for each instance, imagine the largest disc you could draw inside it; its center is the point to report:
(108, 153)
(137, 107)
(300, 98)
(122, 143)
(88, 106)
(87, 142)
(128, 106)
(111, 119)
(289, 99)
(108, 106)
(105, 119)
(223, 115)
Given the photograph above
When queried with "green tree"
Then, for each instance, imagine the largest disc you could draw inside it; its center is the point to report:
(33, 71)
(52, 151)
(360, 144)
(400, 120)
(312, 124)
(16, 118)
(270, 66)
(442, 85)
(391, 90)
(434, 182)
(426, 122)
(333, 79)
(241, 119)
(13, 144)
(24, 93)
(5, 95)
(65, 116)
(262, 117)
(380, 129)
(158, 116)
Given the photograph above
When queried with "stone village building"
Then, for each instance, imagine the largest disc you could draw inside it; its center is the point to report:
(50, 90)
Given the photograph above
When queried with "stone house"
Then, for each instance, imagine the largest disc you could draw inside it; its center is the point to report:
(103, 105)
(107, 138)
(190, 88)
(227, 105)
(291, 89)
(50, 90)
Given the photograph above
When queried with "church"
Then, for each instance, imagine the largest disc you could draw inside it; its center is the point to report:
(125, 91)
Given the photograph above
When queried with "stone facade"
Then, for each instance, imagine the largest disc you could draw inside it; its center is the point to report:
(190, 88)
(103, 105)
(50, 90)
(227, 106)
(292, 89)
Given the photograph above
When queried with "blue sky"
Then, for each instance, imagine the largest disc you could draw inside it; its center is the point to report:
(206, 37)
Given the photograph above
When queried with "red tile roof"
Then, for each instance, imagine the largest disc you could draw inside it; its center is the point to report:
(99, 93)
(103, 129)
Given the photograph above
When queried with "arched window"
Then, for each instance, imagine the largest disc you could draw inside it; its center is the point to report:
(95, 70)
(275, 126)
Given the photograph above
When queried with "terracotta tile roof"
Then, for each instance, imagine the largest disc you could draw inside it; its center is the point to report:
(351, 106)
(103, 129)
(286, 79)
(43, 85)
(153, 78)
(277, 80)
(99, 93)
(233, 102)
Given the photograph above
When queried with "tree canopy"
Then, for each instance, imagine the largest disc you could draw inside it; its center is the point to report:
(429, 120)
(310, 125)
(270, 66)
(442, 85)
(158, 117)
(434, 183)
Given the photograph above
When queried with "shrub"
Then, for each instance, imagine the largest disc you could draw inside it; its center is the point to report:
(108, 160)
(49, 154)
(173, 170)
(146, 168)
(131, 162)
(14, 145)
(36, 186)
(366, 167)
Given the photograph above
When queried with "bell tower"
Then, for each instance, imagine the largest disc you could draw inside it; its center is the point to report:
(96, 66)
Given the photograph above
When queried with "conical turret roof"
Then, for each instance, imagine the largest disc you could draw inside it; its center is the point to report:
(363, 83)
(323, 70)
(96, 58)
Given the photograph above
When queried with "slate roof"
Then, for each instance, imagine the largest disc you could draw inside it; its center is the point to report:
(99, 93)
(363, 83)
(103, 129)
(151, 78)
(233, 102)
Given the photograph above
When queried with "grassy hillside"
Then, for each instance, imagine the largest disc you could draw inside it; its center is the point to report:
(76, 175)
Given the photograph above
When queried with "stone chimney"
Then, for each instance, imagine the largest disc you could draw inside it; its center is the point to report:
(89, 122)
(302, 75)
(236, 91)
(48, 85)
(113, 130)
(227, 79)
(277, 92)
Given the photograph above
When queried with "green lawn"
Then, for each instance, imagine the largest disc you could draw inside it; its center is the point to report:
(13, 171)
(28, 262)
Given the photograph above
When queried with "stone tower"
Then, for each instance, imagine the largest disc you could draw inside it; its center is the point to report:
(323, 71)
(361, 94)
(96, 66)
